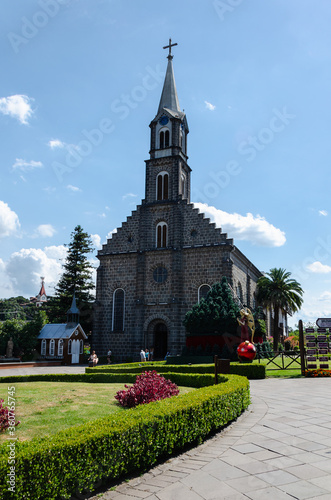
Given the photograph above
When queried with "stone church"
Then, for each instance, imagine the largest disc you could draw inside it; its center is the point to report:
(167, 255)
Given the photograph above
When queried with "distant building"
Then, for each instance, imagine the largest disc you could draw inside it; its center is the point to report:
(64, 341)
(167, 255)
(41, 298)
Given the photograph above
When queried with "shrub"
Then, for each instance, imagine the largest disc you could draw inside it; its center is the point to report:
(148, 387)
(6, 419)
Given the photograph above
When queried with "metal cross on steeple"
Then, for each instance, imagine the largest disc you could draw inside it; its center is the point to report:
(170, 56)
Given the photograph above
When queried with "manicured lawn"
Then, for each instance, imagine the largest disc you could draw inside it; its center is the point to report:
(45, 408)
(272, 372)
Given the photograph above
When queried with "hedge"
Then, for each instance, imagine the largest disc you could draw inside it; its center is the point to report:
(76, 459)
(249, 370)
(184, 379)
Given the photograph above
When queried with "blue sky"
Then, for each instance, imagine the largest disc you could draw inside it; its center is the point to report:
(81, 81)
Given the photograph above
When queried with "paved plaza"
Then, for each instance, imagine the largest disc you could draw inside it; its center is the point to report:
(279, 449)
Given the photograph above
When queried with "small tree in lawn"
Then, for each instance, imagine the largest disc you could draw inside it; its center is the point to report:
(217, 313)
(77, 277)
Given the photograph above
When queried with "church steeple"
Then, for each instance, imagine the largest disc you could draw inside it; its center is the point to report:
(73, 313)
(169, 97)
(167, 172)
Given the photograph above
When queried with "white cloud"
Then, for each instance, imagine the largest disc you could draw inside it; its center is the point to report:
(128, 195)
(9, 222)
(110, 234)
(56, 143)
(210, 106)
(323, 212)
(73, 188)
(26, 166)
(318, 267)
(325, 296)
(17, 106)
(24, 268)
(46, 230)
(96, 240)
(250, 228)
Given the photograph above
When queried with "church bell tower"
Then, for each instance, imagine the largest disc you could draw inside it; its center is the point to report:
(167, 171)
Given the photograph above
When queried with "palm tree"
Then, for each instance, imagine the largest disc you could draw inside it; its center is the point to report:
(276, 290)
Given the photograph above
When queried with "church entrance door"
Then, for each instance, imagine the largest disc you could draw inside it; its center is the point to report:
(160, 340)
(75, 352)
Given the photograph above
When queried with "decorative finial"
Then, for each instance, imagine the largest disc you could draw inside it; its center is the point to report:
(170, 56)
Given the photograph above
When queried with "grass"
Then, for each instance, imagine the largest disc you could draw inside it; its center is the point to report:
(45, 408)
(273, 372)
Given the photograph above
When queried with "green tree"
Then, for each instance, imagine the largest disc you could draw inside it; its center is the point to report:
(277, 291)
(217, 313)
(28, 336)
(76, 277)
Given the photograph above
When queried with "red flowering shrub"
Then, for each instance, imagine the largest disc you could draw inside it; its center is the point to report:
(6, 419)
(148, 387)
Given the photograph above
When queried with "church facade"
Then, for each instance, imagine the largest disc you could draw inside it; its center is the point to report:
(167, 255)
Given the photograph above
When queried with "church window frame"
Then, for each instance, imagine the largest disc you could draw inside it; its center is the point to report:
(81, 346)
(239, 293)
(60, 347)
(161, 235)
(43, 347)
(183, 185)
(203, 290)
(162, 186)
(118, 313)
(164, 138)
(52, 347)
(69, 346)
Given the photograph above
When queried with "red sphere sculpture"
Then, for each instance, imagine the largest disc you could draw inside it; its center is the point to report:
(246, 351)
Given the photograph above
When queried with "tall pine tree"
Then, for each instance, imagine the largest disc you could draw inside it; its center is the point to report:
(76, 278)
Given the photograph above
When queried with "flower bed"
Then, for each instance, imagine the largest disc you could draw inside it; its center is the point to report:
(317, 373)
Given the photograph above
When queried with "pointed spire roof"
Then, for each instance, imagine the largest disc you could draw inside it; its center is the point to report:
(73, 309)
(169, 97)
(42, 289)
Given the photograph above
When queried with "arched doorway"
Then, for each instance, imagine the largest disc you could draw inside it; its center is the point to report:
(160, 335)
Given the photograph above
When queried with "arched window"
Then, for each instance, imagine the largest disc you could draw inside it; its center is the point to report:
(69, 346)
(118, 310)
(161, 140)
(81, 346)
(202, 292)
(52, 347)
(239, 292)
(162, 186)
(43, 347)
(60, 347)
(164, 138)
(183, 185)
(161, 235)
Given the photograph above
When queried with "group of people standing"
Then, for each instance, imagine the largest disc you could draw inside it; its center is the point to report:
(147, 355)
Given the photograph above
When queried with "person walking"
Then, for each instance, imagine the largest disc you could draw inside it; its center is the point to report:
(109, 356)
(142, 355)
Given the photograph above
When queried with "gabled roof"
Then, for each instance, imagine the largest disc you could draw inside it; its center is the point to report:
(169, 97)
(59, 331)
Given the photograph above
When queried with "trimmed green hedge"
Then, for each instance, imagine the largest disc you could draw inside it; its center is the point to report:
(74, 460)
(184, 379)
(249, 370)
